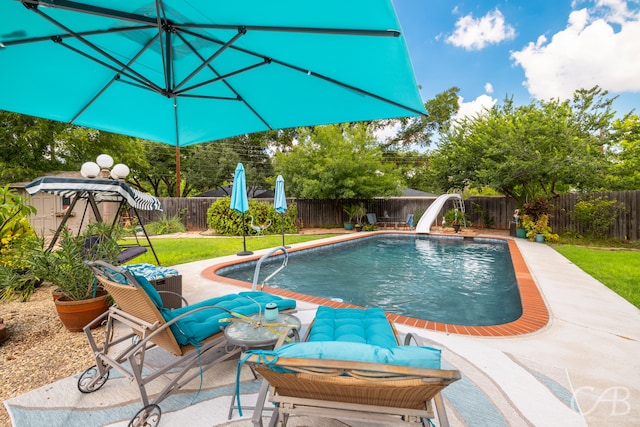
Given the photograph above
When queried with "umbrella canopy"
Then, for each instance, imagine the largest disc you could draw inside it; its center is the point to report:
(280, 200)
(188, 72)
(239, 200)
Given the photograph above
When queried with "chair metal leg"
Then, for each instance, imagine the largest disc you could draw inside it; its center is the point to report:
(442, 414)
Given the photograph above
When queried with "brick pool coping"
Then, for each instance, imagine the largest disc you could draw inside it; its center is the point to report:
(535, 314)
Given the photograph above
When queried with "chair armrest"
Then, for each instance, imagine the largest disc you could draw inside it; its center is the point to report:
(184, 300)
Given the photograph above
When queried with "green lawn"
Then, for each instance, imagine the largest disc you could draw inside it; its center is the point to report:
(619, 270)
(179, 251)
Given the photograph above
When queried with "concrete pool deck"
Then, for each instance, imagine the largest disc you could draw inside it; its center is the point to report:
(591, 333)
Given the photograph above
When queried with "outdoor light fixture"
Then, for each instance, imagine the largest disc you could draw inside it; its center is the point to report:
(105, 161)
(89, 170)
(120, 171)
(102, 164)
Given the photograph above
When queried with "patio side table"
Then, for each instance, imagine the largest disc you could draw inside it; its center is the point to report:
(256, 332)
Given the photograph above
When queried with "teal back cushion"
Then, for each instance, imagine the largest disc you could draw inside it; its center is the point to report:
(366, 326)
(150, 290)
(418, 357)
(196, 327)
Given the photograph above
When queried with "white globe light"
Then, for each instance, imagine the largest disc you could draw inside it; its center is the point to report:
(105, 161)
(90, 170)
(120, 171)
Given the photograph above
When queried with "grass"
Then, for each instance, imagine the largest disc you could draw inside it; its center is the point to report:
(619, 270)
(179, 251)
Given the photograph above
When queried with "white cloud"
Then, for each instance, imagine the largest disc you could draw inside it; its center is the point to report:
(387, 132)
(474, 108)
(586, 53)
(488, 87)
(476, 34)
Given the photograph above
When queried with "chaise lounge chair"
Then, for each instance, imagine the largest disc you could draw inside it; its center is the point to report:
(352, 367)
(193, 333)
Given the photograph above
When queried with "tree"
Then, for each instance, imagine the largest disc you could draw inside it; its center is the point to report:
(337, 162)
(32, 147)
(531, 151)
(423, 130)
(625, 169)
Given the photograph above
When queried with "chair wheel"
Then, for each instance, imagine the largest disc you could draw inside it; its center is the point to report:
(87, 383)
(149, 416)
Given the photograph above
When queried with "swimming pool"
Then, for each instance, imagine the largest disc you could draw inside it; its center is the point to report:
(454, 281)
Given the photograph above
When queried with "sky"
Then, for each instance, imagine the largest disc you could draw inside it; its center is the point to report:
(525, 49)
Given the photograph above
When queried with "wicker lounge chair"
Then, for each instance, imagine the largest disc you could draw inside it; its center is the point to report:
(362, 374)
(193, 333)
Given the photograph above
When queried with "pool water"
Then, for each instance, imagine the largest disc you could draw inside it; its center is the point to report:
(457, 281)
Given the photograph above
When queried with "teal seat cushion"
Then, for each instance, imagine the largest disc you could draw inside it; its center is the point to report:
(196, 327)
(366, 326)
(413, 356)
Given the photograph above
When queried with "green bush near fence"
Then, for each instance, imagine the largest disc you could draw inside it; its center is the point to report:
(227, 222)
(596, 215)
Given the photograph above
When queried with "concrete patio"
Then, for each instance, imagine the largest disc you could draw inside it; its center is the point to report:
(593, 334)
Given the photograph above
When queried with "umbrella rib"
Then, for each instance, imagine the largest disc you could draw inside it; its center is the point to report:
(81, 34)
(91, 46)
(313, 30)
(241, 32)
(165, 55)
(351, 87)
(94, 10)
(143, 81)
(225, 76)
(226, 83)
(116, 77)
(317, 75)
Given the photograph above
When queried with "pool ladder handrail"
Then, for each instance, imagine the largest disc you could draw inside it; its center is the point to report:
(256, 273)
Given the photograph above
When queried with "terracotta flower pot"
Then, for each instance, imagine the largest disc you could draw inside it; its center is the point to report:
(75, 315)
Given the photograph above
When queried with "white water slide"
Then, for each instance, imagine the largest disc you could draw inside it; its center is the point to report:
(432, 212)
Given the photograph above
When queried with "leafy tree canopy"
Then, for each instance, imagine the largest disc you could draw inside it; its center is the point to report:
(337, 162)
(534, 150)
(624, 173)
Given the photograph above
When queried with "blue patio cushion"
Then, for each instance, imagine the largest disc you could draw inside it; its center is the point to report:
(196, 327)
(150, 290)
(366, 326)
(413, 356)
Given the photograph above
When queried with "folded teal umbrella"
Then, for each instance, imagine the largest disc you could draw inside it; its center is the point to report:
(280, 201)
(240, 202)
(185, 72)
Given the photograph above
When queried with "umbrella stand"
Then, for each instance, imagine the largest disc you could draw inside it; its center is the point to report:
(244, 239)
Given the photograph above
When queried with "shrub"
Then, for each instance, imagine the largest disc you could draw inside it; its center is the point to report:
(166, 225)
(536, 209)
(595, 215)
(225, 221)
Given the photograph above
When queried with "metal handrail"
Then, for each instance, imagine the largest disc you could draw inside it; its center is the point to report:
(264, 257)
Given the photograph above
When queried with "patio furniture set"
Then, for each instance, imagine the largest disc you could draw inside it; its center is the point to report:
(350, 364)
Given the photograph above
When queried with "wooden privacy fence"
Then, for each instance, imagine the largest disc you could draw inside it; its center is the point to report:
(325, 213)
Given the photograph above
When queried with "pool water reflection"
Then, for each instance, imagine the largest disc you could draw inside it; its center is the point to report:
(464, 282)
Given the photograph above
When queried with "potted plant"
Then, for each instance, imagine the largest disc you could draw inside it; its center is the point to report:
(359, 213)
(77, 296)
(538, 230)
(355, 213)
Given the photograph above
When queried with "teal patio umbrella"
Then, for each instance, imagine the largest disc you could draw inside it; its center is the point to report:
(280, 201)
(240, 202)
(186, 72)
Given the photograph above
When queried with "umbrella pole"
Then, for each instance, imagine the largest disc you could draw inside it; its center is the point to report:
(282, 218)
(244, 239)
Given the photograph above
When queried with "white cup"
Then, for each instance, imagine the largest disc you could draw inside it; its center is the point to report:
(271, 311)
